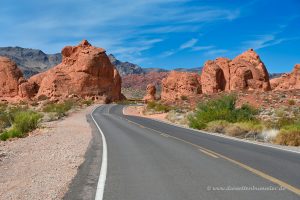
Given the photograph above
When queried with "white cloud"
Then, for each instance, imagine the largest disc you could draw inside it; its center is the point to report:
(189, 44)
(130, 26)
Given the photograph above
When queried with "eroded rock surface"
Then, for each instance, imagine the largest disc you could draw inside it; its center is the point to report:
(12, 82)
(85, 71)
(180, 85)
(150, 93)
(245, 72)
(287, 81)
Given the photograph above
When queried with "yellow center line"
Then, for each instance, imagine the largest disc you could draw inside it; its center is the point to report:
(244, 166)
(208, 153)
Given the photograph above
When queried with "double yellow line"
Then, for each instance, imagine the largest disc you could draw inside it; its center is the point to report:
(217, 155)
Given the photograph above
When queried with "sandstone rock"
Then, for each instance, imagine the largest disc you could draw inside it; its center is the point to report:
(85, 71)
(245, 72)
(12, 83)
(287, 81)
(180, 85)
(150, 93)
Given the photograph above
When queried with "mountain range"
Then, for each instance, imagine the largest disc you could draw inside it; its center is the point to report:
(34, 61)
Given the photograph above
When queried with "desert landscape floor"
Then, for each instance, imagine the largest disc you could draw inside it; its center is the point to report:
(42, 165)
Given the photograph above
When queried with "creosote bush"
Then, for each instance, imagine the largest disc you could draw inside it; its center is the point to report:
(158, 107)
(223, 108)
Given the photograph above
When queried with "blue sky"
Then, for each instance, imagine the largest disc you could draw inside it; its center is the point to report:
(159, 33)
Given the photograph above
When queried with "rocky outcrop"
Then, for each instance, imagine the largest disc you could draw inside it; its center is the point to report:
(85, 72)
(12, 82)
(245, 72)
(180, 85)
(30, 61)
(287, 81)
(150, 93)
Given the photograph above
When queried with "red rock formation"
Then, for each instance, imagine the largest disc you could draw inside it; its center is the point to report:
(85, 71)
(245, 72)
(12, 83)
(150, 94)
(287, 81)
(140, 81)
(179, 85)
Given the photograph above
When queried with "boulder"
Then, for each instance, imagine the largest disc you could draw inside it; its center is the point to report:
(150, 93)
(85, 71)
(180, 85)
(245, 72)
(12, 83)
(289, 81)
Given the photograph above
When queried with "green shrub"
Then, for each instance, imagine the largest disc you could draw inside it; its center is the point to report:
(158, 107)
(4, 136)
(222, 108)
(26, 121)
(87, 102)
(59, 108)
(289, 135)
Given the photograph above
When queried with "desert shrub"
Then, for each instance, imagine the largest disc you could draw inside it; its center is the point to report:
(289, 135)
(158, 107)
(60, 109)
(26, 121)
(291, 102)
(222, 108)
(87, 102)
(234, 130)
(217, 126)
(22, 122)
(184, 98)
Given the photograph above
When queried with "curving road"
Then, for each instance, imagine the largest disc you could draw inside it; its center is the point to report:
(151, 160)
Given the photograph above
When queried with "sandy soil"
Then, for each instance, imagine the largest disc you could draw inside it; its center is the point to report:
(138, 111)
(42, 165)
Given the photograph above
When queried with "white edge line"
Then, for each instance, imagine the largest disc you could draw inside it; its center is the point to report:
(222, 136)
(103, 170)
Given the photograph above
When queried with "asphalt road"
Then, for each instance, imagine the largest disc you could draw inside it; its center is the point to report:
(151, 160)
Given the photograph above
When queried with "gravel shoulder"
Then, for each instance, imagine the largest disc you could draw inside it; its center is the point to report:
(42, 165)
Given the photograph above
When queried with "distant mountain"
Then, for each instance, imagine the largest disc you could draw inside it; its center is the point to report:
(275, 75)
(125, 68)
(31, 61)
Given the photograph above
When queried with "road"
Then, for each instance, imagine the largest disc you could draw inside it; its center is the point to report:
(151, 160)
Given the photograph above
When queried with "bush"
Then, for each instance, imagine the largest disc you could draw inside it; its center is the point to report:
(291, 102)
(87, 102)
(158, 107)
(23, 122)
(217, 126)
(26, 121)
(220, 109)
(234, 130)
(184, 98)
(289, 135)
(59, 108)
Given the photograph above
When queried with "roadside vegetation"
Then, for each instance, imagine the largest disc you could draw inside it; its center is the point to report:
(158, 107)
(16, 121)
(222, 116)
